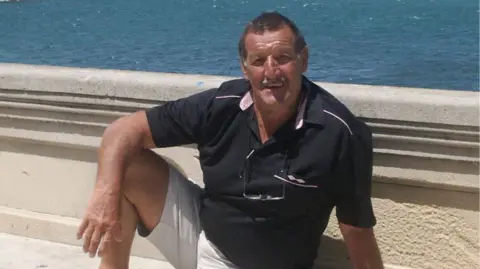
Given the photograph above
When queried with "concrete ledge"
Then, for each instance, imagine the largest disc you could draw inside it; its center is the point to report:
(426, 157)
(27, 224)
(61, 229)
(409, 104)
(72, 106)
(26, 253)
(395, 166)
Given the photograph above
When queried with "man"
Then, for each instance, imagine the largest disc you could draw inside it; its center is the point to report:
(277, 152)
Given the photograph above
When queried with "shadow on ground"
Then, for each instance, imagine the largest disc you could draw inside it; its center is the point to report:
(332, 254)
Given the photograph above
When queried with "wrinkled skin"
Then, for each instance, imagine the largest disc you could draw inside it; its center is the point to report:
(100, 220)
(272, 58)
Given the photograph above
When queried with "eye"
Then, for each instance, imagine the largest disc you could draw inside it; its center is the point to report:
(258, 62)
(283, 59)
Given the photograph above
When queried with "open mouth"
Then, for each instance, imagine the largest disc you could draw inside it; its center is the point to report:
(273, 84)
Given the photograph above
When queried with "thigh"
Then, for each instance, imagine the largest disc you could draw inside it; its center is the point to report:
(145, 186)
(176, 235)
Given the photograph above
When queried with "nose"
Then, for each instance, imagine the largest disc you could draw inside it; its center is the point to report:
(271, 68)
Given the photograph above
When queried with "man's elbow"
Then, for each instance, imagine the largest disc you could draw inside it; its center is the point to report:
(131, 130)
(347, 229)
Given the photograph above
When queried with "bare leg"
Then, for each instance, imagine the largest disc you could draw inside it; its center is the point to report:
(117, 255)
(144, 187)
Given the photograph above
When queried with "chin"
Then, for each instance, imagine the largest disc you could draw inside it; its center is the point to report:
(278, 96)
(273, 102)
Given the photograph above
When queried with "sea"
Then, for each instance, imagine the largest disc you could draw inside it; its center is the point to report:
(431, 44)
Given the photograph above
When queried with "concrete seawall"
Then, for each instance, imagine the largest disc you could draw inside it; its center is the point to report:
(426, 173)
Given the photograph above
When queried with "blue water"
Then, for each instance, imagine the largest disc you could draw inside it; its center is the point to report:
(414, 43)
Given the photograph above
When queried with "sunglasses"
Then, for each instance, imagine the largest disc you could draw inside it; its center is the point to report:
(246, 173)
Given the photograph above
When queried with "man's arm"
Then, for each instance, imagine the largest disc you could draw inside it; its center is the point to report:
(121, 140)
(362, 247)
(171, 124)
(353, 198)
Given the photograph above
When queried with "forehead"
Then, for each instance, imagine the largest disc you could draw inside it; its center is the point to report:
(268, 40)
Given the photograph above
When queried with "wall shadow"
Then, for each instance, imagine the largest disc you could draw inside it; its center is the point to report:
(49, 150)
(396, 192)
(332, 254)
(426, 196)
(425, 163)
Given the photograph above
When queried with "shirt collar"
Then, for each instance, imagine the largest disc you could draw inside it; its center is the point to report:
(311, 107)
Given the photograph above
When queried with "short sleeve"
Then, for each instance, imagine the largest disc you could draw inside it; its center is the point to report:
(353, 178)
(181, 121)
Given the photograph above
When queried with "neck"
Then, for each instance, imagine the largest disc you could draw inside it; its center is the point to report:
(271, 119)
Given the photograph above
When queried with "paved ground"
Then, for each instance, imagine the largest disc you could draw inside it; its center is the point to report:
(25, 253)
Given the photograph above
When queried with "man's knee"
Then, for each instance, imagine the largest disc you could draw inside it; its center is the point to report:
(145, 185)
(145, 168)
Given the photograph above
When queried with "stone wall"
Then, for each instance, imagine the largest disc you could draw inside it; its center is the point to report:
(426, 163)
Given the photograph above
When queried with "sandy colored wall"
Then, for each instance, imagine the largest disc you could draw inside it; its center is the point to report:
(425, 189)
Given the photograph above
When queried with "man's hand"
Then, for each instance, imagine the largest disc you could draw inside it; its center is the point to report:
(101, 223)
(362, 247)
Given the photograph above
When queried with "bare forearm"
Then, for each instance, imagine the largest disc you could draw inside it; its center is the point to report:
(362, 247)
(121, 140)
(367, 255)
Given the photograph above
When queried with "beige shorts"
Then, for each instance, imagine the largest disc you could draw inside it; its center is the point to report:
(179, 235)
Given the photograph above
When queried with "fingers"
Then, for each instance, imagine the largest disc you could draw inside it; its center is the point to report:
(92, 237)
(81, 230)
(87, 235)
(107, 239)
(112, 235)
(99, 218)
(95, 241)
(117, 232)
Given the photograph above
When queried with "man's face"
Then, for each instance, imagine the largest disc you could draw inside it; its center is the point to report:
(273, 67)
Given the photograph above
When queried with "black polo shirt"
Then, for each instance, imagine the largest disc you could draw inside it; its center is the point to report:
(320, 159)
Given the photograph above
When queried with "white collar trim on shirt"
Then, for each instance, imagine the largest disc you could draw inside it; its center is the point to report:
(247, 101)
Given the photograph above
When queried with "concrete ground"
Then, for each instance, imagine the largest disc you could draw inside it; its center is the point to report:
(18, 252)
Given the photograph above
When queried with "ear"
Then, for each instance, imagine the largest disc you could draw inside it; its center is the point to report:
(304, 59)
(244, 69)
